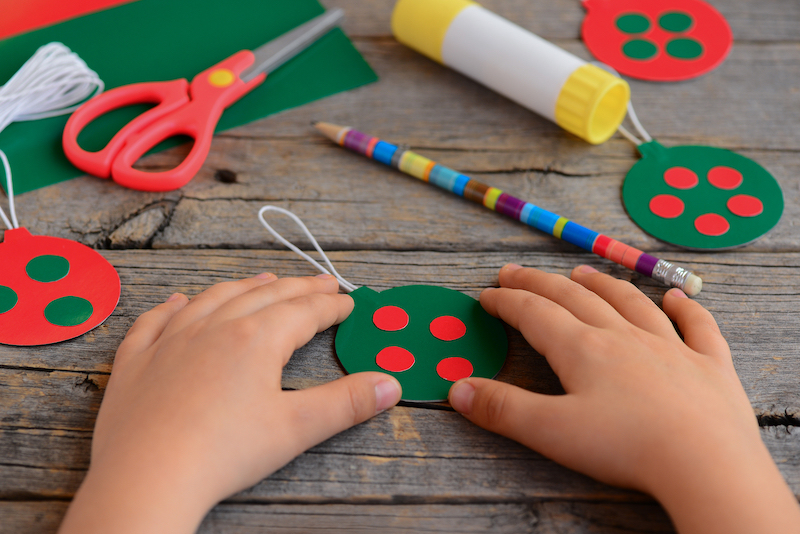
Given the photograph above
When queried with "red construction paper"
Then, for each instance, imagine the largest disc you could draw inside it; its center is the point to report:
(52, 289)
(657, 40)
(20, 16)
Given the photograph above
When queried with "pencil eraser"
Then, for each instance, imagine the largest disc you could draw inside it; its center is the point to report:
(693, 285)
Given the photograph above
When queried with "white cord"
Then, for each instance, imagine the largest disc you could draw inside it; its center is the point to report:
(54, 81)
(344, 284)
(631, 112)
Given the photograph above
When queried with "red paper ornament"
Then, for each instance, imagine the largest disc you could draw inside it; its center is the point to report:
(657, 40)
(52, 289)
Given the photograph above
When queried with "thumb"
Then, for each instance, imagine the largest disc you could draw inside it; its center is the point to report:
(532, 419)
(323, 411)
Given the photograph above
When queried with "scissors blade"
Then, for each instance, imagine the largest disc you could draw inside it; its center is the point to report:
(280, 50)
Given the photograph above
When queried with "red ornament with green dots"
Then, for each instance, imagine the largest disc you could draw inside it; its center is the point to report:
(657, 40)
(701, 197)
(425, 336)
(52, 289)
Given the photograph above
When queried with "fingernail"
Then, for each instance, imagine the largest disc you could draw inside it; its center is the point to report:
(461, 396)
(325, 276)
(587, 269)
(387, 394)
(511, 267)
(174, 296)
(264, 276)
(677, 292)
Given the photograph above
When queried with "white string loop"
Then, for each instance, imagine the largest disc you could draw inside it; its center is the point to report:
(344, 284)
(631, 113)
(54, 81)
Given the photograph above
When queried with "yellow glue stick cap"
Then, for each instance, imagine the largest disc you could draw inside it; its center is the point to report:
(592, 103)
(422, 24)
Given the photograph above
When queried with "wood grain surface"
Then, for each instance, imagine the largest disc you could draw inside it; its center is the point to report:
(421, 467)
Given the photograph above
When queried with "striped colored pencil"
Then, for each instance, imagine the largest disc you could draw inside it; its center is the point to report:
(495, 199)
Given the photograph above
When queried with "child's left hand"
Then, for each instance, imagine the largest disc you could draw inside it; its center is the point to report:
(194, 411)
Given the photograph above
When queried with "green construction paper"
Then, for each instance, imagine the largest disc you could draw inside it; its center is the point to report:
(159, 40)
(359, 340)
(646, 180)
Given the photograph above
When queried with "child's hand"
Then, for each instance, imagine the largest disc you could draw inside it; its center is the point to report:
(643, 409)
(194, 410)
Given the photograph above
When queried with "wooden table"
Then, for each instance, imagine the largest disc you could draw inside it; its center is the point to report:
(423, 468)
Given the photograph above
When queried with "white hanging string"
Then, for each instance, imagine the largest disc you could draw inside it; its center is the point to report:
(631, 113)
(54, 81)
(344, 284)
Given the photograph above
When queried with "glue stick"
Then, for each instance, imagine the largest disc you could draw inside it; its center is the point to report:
(581, 98)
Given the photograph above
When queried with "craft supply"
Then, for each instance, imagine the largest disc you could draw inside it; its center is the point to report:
(28, 15)
(699, 197)
(501, 202)
(425, 336)
(149, 40)
(182, 109)
(538, 75)
(657, 40)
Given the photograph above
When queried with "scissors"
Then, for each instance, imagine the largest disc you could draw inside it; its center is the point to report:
(186, 109)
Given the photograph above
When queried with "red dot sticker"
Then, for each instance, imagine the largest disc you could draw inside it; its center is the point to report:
(681, 178)
(666, 206)
(712, 224)
(725, 178)
(448, 328)
(390, 318)
(454, 368)
(745, 206)
(395, 359)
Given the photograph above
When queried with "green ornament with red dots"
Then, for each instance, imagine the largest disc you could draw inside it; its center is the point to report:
(701, 197)
(427, 337)
(52, 289)
(657, 40)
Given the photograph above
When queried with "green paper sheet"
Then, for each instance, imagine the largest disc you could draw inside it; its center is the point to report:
(155, 40)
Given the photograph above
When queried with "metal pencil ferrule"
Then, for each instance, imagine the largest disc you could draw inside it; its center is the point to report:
(670, 274)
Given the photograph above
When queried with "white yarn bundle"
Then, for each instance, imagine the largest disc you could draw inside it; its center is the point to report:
(54, 81)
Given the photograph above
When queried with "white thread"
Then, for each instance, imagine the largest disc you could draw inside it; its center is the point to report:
(631, 112)
(344, 284)
(54, 81)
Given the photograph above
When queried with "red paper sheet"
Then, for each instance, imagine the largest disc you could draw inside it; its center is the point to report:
(24, 15)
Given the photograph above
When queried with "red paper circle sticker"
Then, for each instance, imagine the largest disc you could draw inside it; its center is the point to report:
(657, 40)
(53, 289)
(454, 368)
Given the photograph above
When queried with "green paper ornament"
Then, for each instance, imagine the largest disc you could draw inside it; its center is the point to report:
(425, 336)
(701, 197)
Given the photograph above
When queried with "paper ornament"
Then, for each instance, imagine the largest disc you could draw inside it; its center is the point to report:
(425, 336)
(701, 197)
(52, 289)
(657, 40)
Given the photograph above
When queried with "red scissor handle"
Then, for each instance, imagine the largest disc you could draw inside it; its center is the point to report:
(195, 115)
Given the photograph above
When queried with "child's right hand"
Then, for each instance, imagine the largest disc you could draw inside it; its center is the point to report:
(643, 408)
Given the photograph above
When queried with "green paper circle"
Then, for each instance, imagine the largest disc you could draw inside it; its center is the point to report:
(633, 23)
(684, 48)
(675, 22)
(639, 49)
(646, 180)
(8, 299)
(358, 340)
(68, 311)
(47, 268)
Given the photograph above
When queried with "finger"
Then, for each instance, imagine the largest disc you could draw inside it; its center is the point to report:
(627, 300)
(288, 325)
(550, 329)
(700, 330)
(148, 328)
(212, 298)
(535, 420)
(320, 412)
(266, 295)
(585, 305)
